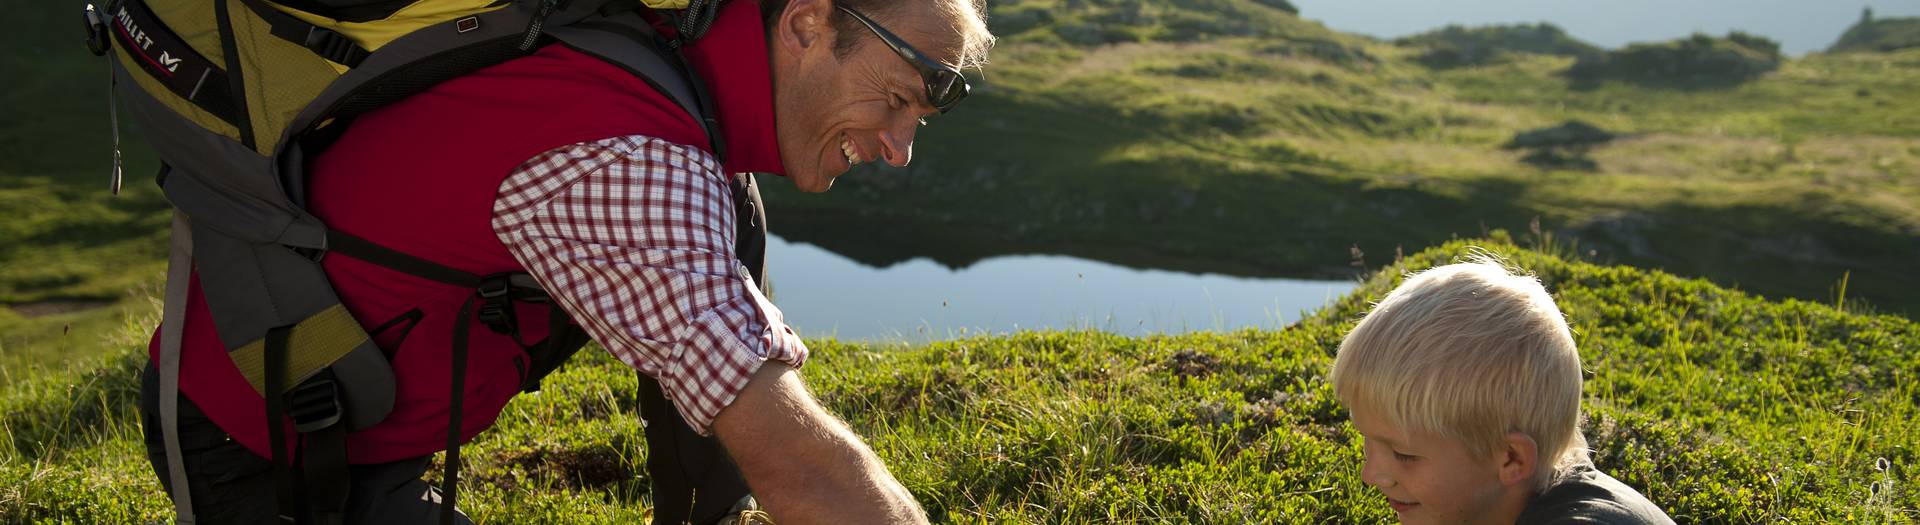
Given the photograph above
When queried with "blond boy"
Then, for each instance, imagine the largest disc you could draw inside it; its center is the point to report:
(1465, 384)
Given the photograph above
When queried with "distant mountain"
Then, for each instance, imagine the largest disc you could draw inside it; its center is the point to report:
(1873, 35)
(1697, 61)
(1460, 46)
(1095, 22)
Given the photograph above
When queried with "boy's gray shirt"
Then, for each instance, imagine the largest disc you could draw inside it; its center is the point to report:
(1585, 495)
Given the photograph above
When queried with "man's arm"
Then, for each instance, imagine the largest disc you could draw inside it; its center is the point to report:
(804, 465)
(634, 237)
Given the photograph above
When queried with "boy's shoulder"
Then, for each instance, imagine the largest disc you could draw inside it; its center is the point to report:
(1586, 495)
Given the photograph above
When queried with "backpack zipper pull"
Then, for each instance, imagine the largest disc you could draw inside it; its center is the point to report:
(113, 120)
(98, 43)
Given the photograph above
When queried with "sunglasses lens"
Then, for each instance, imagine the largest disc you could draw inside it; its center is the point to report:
(945, 89)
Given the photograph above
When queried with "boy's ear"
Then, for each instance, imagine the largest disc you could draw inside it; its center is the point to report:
(804, 24)
(1519, 458)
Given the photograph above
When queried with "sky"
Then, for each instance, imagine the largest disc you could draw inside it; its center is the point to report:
(1801, 26)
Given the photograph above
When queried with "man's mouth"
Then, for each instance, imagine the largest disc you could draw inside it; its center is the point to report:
(846, 148)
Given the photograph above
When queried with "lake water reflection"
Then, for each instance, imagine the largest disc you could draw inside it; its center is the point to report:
(825, 294)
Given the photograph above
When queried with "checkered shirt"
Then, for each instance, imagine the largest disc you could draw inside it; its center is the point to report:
(634, 237)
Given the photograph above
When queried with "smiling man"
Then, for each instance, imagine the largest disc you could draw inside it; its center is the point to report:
(638, 221)
(855, 105)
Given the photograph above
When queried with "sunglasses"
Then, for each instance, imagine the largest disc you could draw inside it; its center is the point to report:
(945, 86)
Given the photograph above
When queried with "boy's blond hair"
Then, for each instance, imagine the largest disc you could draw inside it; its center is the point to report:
(1469, 351)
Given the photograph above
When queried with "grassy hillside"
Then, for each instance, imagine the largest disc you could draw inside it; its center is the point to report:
(1723, 407)
(1459, 46)
(1696, 62)
(1274, 151)
(1212, 135)
(1884, 34)
(73, 258)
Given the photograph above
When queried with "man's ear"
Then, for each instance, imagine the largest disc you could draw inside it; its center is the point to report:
(805, 25)
(1518, 457)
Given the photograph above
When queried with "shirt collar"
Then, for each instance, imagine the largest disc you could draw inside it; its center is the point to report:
(732, 60)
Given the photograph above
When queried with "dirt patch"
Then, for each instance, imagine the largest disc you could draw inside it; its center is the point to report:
(1191, 363)
(587, 468)
(57, 306)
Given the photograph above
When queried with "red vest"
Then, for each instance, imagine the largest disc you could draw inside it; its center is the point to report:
(420, 176)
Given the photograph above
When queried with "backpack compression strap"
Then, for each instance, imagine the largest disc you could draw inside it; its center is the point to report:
(172, 321)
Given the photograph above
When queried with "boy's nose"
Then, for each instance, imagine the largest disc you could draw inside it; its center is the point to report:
(1371, 473)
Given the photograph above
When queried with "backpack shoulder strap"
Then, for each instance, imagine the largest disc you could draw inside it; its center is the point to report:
(443, 51)
(628, 41)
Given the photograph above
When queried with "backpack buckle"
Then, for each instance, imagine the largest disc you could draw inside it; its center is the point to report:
(97, 40)
(315, 404)
(496, 306)
(334, 46)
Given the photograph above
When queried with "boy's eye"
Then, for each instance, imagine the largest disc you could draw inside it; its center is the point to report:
(1404, 457)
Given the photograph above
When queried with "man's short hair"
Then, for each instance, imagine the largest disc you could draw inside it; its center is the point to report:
(1469, 351)
(969, 19)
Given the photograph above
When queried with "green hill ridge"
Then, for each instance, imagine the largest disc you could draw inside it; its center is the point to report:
(1276, 150)
(1879, 34)
(1459, 46)
(1209, 135)
(1721, 406)
(1214, 135)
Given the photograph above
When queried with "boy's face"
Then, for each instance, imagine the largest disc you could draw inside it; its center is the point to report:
(1430, 479)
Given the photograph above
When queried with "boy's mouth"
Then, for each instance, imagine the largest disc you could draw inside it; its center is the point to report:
(1401, 506)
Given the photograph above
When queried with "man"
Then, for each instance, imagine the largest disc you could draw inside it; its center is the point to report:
(612, 198)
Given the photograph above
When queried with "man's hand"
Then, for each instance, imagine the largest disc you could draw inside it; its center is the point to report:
(804, 465)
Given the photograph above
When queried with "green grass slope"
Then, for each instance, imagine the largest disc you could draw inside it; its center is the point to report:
(74, 259)
(1212, 135)
(1460, 46)
(1721, 406)
(1699, 61)
(1885, 34)
(1273, 152)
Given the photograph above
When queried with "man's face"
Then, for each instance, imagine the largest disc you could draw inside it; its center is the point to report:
(834, 112)
(1428, 479)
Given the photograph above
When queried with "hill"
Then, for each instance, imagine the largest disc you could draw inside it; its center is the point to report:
(1206, 135)
(1879, 35)
(1277, 152)
(1695, 62)
(1460, 46)
(1721, 406)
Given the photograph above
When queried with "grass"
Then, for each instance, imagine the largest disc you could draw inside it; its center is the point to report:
(1219, 135)
(1884, 34)
(1208, 135)
(74, 259)
(1721, 406)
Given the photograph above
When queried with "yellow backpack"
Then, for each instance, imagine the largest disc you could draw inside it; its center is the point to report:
(235, 95)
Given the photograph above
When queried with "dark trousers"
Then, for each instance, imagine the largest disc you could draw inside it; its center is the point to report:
(230, 484)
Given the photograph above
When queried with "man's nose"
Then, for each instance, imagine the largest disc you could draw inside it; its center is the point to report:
(896, 144)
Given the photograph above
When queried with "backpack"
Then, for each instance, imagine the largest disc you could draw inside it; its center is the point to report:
(236, 95)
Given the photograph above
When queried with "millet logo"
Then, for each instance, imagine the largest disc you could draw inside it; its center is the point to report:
(139, 36)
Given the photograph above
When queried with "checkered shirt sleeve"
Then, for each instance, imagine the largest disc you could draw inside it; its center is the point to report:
(634, 237)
